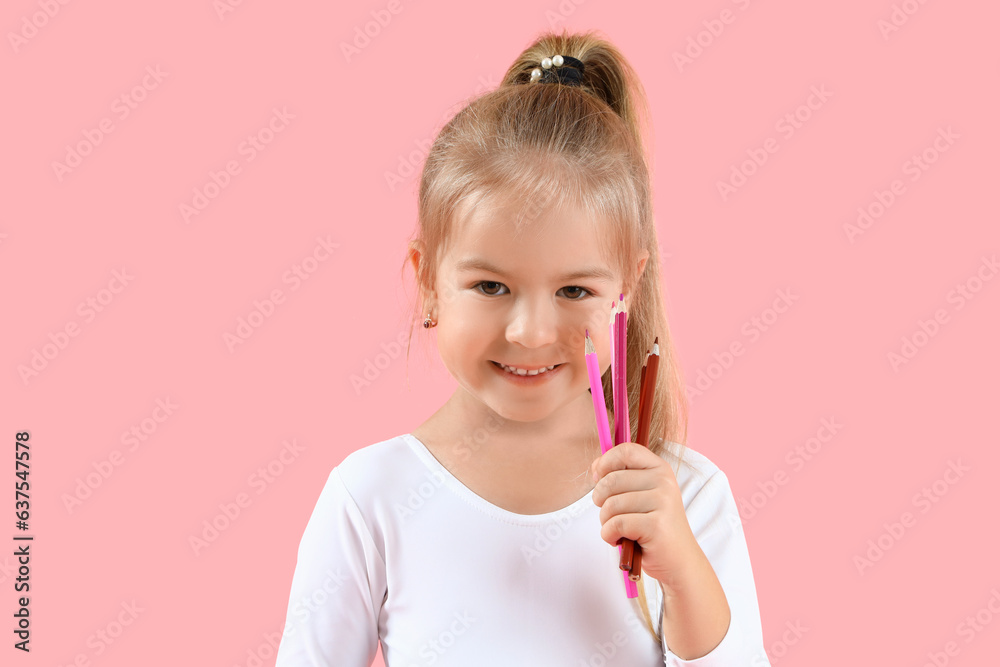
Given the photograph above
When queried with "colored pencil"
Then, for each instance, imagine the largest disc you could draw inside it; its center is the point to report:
(597, 393)
(601, 411)
(648, 394)
(628, 551)
(614, 369)
(650, 369)
(622, 426)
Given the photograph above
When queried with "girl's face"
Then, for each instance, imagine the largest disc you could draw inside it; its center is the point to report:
(525, 302)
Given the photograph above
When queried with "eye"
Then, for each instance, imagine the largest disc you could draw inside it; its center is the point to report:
(487, 282)
(579, 292)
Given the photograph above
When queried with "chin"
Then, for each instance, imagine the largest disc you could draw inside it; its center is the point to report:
(516, 411)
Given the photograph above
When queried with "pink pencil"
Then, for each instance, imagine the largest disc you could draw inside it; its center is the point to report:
(597, 392)
(600, 409)
(622, 427)
(614, 369)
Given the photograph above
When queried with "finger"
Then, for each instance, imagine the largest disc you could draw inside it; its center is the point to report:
(635, 502)
(624, 481)
(626, 456)
(624, 526)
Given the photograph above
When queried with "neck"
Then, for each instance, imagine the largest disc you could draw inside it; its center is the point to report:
(569, 432)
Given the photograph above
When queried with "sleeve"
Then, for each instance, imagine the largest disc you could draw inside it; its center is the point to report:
(716, 524)
(338, 587)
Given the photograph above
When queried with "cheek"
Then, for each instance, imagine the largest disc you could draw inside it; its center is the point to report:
(470, 317)
(464, 332)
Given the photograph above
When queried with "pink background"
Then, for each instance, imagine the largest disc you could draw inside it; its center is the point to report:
(324, 176)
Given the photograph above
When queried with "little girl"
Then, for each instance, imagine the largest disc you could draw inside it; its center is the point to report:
(487, 535)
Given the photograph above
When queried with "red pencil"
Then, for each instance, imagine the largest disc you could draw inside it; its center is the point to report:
(647, 394)
(628, 546)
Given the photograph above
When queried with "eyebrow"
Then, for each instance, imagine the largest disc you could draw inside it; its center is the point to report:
(479, 264)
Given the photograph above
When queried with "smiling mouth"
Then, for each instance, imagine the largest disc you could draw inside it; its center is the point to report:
(524, 373)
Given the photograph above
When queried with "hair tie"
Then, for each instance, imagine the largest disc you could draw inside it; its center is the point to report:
(568, 70)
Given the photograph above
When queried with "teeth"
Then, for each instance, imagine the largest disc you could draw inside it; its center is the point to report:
(521, 371)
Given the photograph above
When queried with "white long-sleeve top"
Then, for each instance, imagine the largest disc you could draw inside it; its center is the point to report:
(398, 550)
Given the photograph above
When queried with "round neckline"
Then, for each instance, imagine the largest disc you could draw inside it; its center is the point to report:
(481, 503)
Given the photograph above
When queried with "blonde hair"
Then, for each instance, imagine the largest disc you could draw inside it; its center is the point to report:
(546, 144)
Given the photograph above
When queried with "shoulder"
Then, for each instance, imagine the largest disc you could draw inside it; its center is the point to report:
(696, 473)
(376, 454)
(375, 467)
(381, 473)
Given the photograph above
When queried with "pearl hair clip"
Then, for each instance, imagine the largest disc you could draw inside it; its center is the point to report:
(570, 74)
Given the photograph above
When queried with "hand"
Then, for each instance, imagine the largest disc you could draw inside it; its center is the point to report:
(640, 499)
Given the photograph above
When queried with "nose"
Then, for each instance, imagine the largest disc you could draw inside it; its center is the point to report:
(534, 323)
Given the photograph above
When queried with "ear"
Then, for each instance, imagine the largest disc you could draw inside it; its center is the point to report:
(643, 258)
(416, 256)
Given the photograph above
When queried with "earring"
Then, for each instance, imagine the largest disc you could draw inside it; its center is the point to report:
(428, 322)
